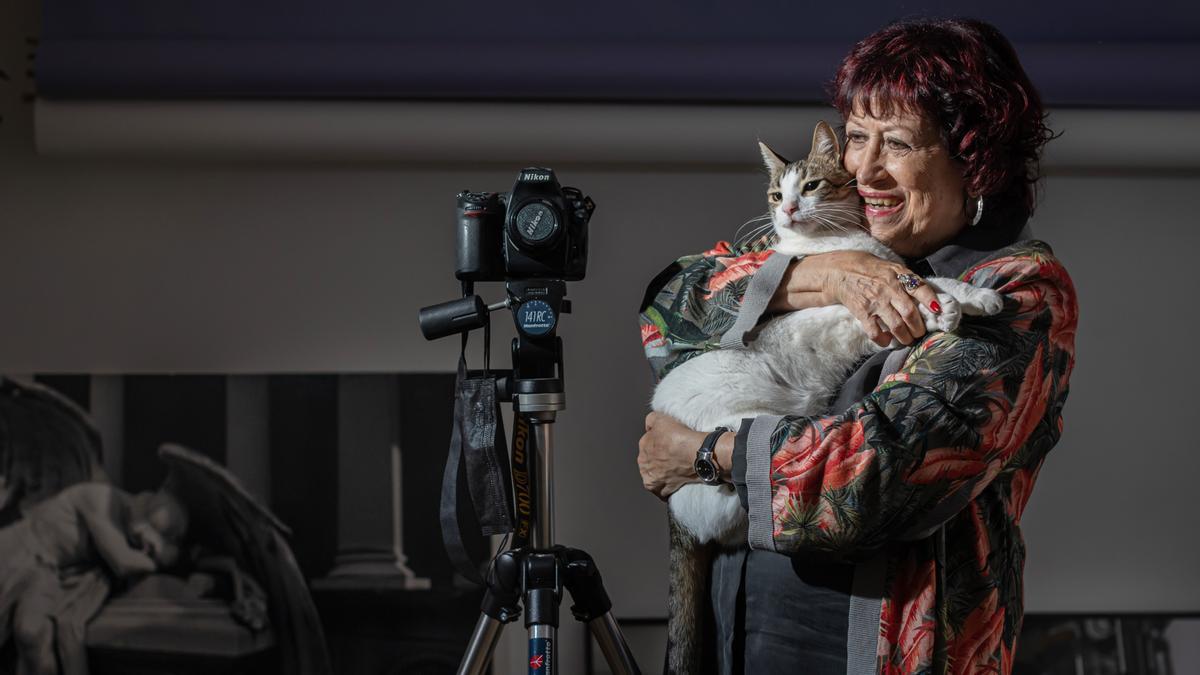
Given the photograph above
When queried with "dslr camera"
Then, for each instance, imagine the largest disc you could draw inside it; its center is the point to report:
(536, 231)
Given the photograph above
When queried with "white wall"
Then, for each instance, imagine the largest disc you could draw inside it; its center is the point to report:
(110, 265)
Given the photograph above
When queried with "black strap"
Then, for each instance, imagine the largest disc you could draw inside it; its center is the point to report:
(477, 466)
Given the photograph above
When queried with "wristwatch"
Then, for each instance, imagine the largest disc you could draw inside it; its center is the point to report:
(706, 464)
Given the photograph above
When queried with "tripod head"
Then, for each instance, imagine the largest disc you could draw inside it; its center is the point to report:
(536, 382)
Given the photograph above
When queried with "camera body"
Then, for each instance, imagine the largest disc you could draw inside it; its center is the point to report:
(536, 231)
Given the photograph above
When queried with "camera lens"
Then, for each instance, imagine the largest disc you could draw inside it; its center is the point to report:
(536, 223)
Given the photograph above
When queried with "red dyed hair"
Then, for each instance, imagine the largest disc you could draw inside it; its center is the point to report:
(965, 76)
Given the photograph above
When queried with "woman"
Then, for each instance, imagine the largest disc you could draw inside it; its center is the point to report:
(884, 535)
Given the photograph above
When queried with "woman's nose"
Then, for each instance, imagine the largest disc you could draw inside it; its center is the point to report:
(870, 169)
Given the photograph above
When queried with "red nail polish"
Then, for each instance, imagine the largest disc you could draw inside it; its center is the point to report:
(937, 309)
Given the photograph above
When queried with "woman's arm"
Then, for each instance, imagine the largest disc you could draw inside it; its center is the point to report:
(966, 407)
(695, 301)
(712, 300)
(865, 285)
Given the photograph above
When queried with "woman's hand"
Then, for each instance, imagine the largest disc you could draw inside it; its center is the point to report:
(666, 454)
(864, 284)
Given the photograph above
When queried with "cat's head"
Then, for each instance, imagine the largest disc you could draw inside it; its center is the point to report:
(814, 196)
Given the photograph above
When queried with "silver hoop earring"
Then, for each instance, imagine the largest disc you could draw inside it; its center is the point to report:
(978, 211)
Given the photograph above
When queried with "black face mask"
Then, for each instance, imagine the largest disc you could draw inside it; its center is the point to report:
(477, 464)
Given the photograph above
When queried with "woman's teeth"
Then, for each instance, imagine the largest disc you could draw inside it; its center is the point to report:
(881, 203)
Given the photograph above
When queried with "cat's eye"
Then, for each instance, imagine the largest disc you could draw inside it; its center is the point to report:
(775, 196)
(811, 185)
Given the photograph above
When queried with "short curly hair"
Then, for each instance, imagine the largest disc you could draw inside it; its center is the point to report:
(965, 76)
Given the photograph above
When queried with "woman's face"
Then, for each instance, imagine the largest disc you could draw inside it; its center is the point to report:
(913, 192)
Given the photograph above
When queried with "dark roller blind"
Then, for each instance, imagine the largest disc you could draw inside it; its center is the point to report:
(755, 51)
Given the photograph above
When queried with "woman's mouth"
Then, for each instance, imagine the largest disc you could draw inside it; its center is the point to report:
(880, 206)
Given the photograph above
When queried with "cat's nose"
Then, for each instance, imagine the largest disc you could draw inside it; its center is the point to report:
(789, 208)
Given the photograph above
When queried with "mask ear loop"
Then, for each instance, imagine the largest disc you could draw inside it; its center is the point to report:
(468, 289)
(487, 346)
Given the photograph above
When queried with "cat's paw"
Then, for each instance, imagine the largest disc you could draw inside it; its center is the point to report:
(983, 302)
(946, 320)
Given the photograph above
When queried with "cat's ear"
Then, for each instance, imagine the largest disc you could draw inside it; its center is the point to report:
(774, 161)
(825, 141)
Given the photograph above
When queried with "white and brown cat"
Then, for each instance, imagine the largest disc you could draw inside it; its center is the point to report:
(794, 366)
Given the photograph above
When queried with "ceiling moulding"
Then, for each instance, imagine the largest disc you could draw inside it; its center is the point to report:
(451, 133)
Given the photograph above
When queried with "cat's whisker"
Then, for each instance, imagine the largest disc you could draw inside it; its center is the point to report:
(755, 234)
(839, 211)
(765, 216)
(841, 208)
(760, 229)
(848, 215)
(834, 224)
(751, 231)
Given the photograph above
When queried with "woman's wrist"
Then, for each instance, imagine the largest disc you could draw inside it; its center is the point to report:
(723, 455)
(803, 286)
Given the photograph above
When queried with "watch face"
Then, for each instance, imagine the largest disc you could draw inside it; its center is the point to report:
(705, 470)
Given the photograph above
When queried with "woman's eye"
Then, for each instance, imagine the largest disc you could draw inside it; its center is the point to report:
(811, 185)
(775, 196)
(855, 138)
(898, 145)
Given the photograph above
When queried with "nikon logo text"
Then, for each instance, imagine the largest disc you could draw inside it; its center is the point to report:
(536, 177)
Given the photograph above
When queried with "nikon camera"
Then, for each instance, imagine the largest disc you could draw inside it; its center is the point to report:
(536, 231)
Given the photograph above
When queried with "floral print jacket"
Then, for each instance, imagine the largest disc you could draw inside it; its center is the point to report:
(927, 475)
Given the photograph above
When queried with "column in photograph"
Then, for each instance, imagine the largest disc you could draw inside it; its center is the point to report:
(108, 414)
(370, 540)
(247, 433)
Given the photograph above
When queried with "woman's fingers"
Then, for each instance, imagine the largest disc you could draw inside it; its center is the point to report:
(650, 479)
(925, 295)
(652, 459)
(875, 329)
(910, 315)
(895, 323)
(886, 307)
(665, 454)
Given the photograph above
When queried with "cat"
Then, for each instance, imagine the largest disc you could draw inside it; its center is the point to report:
(794, 366)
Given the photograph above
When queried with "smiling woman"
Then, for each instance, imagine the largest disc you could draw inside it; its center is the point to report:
(884, 535)
(928, 126)
(909, 185)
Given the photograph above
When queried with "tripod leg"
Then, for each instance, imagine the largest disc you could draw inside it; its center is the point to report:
(501, 605)
(612, 645)
(593, 607)
(543, 593)
(479, 650)
(542, 659)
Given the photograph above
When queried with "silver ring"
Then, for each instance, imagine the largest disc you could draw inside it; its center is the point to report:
(910, 282)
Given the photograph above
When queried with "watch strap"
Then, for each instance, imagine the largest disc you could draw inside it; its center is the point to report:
(706, 454)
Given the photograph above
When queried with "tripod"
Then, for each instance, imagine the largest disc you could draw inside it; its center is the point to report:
(535, 572)
(539, 573)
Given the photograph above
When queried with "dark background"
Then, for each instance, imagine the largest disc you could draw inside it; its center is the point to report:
(1079, 53)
